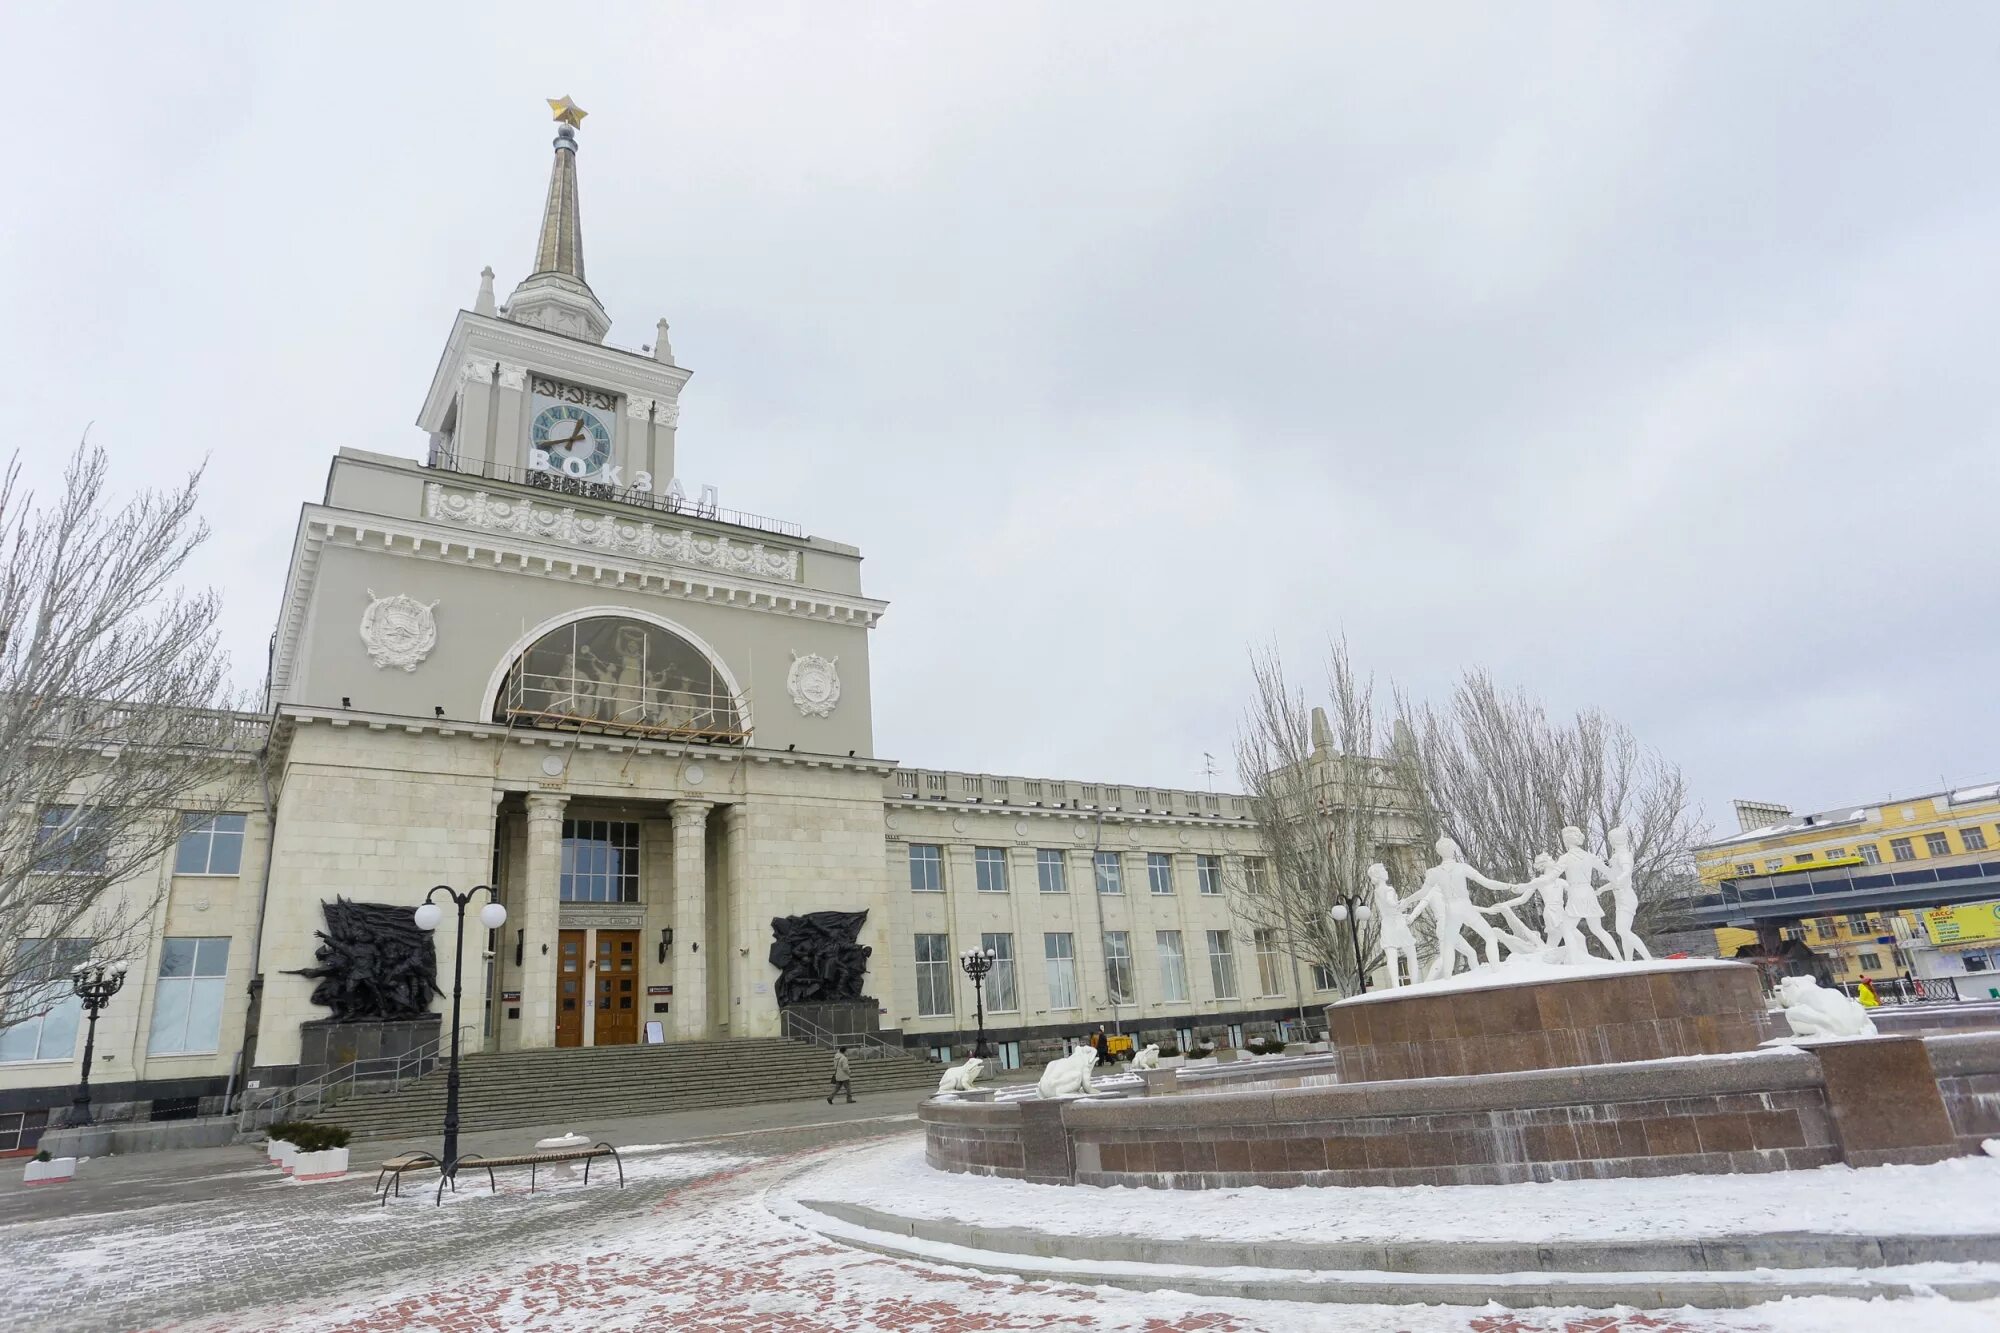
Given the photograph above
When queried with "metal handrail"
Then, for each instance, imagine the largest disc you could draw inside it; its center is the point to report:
(320, 1092)
(584, 488)
(865, 1045)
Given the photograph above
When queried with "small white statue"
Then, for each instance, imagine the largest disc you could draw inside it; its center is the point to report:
(1814, 1011)
(1147, 1057)
(1582, 910)
(1624, 897)
(963, 1077)
(1070, 1075)
(1395, 937)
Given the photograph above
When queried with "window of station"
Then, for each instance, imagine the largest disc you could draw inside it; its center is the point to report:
(625, 677)
(600, 861)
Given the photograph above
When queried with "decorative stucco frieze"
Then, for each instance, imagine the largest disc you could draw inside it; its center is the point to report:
(668, 414)
(604, 532)
(638, 408)
(512, 376)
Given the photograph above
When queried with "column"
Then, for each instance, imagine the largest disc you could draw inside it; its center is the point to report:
(690, 1011)
(541, 887)
(746, 1014)
(482, 1012)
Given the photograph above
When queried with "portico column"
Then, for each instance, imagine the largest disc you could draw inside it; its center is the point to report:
(691, 942)
(541, 887)
(743, 1016)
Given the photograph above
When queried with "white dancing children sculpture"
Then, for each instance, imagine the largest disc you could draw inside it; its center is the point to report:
(1446, 892)
(963, 1077)
(1624, 897)
(1581, 909)
(1397, 942)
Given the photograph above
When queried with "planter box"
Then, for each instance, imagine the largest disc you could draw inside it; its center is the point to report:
(282, 1154)
(310, 1166)
(50, 1172)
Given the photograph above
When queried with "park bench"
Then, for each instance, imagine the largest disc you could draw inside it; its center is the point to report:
(394, 1167)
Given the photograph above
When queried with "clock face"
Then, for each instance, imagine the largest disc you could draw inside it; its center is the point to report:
(576, 438)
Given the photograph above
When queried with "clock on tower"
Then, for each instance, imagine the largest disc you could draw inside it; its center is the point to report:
(573, 427)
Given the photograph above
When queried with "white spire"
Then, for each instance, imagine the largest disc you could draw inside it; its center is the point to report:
(663, 351)
(484, 304)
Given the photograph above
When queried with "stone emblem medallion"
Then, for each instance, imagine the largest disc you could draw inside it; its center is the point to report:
(399, 631)
(814, 684)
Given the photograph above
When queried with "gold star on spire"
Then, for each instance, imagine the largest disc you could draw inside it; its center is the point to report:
(568, 112)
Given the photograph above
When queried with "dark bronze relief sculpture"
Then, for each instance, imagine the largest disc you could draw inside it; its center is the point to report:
(375, 963)
(817, 957)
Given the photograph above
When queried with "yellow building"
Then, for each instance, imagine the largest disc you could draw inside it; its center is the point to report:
(1953, 829)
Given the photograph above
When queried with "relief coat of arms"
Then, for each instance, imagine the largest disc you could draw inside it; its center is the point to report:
(814, 684)
(399, 631)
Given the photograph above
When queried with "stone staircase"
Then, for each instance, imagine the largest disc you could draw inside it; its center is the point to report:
(584, 1085)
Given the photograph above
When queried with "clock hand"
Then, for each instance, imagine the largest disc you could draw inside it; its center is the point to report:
(575, 437)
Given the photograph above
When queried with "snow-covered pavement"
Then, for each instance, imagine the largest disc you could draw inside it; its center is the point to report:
(693, 1243)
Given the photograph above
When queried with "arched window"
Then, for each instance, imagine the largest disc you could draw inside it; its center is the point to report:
(619, 676)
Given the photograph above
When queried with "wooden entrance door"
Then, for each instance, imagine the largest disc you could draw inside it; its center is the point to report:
(617, 988)
(570, 993)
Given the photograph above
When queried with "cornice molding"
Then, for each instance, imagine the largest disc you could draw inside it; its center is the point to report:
(997, 809)
(321, 527)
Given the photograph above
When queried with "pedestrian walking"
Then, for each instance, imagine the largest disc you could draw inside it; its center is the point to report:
(843, 1077)
(1865, 993)
(1102, 1045)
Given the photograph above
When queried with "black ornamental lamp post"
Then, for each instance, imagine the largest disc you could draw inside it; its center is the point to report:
(1353, 911)
(492, 916)
(94, 982)
(977, 963)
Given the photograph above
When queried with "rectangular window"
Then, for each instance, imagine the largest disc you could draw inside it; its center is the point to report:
(1869, 854)
(1323, 978)
(71, 840)
(1824, 929)
(1002, 995)
(1049, 870)
(1222, 964)
(1118, 966)
(1857, 922)
(1059, 954)
(1256, 876)
(933, 976)
(1159, 873)
(1774, 864)
(926, 868)
(210, 845)
(1900, 849)
(1270, 979)
(1975, 839)
(1110, 869)
(1746, 867)
(989, 869)
(187, 1006)
(1208, 874)
(52, 1010)
(1803, 857)
(1937, 844)
(1870, 962)
(600, 861)
(1173, 966)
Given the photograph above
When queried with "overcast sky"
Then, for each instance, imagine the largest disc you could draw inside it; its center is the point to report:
(1642, 354)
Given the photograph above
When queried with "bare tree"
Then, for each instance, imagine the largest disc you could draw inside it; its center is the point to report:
(1327, 798)
(112, 733)
(1502, 779)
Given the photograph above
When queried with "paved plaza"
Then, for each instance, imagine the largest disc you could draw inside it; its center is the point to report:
(214, 1240)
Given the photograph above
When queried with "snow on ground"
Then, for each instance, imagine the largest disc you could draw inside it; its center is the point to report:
(1952, 1197)
(1521, 970)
